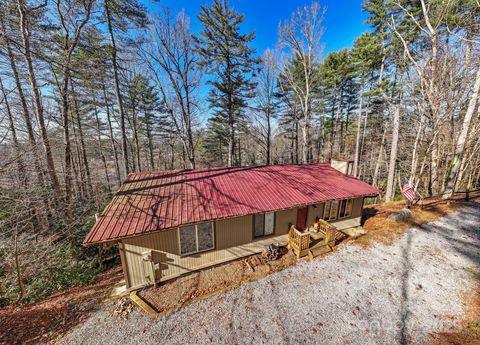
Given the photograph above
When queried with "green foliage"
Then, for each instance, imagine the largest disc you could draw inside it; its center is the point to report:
(125, 12)
(68, 267)
(366, 55)
(49, 261)
(337, 69)
(473, 329)
(228, 58)
(338, 82)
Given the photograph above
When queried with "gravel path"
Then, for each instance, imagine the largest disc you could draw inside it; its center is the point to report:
(381, 295)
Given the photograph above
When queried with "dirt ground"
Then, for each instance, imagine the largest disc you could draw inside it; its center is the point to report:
(381, 230)
(41, 322)
(172, 295)
(469, 332)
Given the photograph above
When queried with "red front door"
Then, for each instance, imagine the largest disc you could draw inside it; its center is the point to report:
(302, 213)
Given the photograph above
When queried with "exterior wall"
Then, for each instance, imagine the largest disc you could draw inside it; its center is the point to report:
(342, 166)
(233, 239)
(283, 219)
(314, 212)
(354, 219)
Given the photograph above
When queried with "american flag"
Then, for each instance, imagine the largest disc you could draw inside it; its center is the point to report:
(408, 192)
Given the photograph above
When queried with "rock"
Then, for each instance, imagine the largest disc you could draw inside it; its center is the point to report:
(355, 232)
(402, 215)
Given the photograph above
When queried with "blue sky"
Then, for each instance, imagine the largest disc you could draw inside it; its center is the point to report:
(343, 20)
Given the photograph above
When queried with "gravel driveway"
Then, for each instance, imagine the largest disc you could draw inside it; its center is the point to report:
(381, 295)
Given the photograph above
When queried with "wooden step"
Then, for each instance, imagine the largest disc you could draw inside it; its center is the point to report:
(314, 252)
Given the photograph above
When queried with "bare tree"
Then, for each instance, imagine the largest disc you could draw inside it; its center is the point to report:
(301, 36)
(78, 14)
(171, 59)
(266, 102)
(25, 29)
(460, 146)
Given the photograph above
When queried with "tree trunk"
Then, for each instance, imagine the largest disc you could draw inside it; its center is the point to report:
(231, 142)
(338, 128)
(83, 149)
(68, 153)
(359, 129)
(460, 147)
(390, 192)
(149, 142)
(413, 169)
(117, 87)
(25, 112)
(136, 139)
(379, 160)
(112, 138)
(269, 139)
(99, 140)
(37, 98)
(16, 144)
(295, 140)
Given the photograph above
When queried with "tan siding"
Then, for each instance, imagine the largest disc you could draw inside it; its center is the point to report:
(233, 239)
(357, 207)
(233, 232)
(283, 219)
(314, 212)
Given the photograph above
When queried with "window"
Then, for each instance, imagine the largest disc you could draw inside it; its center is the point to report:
(196, 238)
(345, 208)
(326, 211)
(263, 224)
(330, 211)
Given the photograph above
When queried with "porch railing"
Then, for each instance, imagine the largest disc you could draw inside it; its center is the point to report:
(328, 230)
(298, 241)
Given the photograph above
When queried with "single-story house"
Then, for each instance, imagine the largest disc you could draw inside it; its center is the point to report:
(169, 223)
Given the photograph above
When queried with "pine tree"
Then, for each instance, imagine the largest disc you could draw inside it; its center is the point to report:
(228, 57)
(367, 58)
(119, 14)
(291, 84)
(337, 73)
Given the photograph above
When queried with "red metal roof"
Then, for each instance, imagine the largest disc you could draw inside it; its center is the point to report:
(154, 201)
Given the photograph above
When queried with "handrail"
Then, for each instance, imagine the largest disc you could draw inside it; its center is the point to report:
(297, 240)
(327, 229)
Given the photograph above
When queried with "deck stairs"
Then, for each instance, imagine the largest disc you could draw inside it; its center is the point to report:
(318, 250)
(314, 244)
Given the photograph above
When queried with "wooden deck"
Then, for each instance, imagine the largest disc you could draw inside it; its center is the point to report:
(314, 243)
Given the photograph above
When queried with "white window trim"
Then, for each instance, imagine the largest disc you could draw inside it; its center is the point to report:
(330, 210)
(338, 209)
(325, 208)
(196, 239)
